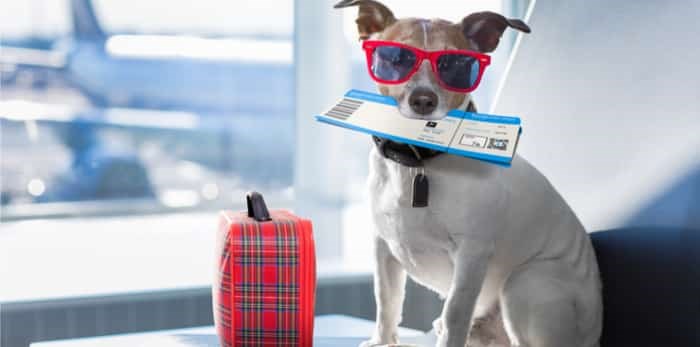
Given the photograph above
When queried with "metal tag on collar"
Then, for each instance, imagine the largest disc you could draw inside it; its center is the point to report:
(419, 194)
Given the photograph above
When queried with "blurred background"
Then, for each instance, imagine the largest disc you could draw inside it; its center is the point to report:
(126, 125)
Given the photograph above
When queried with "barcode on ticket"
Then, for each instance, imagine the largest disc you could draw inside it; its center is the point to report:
(344, 109)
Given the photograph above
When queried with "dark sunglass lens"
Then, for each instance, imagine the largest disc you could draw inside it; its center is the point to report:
(392, 63)
(458, 70)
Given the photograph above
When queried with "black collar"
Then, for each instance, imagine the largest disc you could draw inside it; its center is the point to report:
(408, 155)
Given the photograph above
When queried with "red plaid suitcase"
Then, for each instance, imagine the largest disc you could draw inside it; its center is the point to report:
(266, 278)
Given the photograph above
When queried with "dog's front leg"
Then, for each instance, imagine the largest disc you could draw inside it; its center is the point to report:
(389, 288)
(471, 261)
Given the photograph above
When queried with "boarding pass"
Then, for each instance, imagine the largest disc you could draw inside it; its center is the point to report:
(480, 136)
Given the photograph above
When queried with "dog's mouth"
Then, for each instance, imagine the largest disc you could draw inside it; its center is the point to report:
(408, 112)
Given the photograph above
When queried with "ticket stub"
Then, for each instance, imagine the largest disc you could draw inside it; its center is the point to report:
(480, 136)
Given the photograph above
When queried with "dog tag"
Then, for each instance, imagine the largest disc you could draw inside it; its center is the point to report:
(420, 190)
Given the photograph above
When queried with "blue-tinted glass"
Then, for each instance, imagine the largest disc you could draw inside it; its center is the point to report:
(458, 71)
(392, 63)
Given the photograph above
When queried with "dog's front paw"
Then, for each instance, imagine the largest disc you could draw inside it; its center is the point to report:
(378, 340)
(370, 343)
(375, 343)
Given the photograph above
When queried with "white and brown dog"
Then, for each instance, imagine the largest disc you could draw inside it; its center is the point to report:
(510, 257)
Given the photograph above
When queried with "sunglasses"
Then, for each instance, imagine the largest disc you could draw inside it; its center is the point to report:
(456, 70)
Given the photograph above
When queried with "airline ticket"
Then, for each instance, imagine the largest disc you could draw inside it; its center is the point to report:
(475, 135)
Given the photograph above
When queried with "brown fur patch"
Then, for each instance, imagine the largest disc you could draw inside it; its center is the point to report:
(407, 31)
(456, 99)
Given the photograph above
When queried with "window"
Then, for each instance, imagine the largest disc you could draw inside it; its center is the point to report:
(141, 107)
(171, 106)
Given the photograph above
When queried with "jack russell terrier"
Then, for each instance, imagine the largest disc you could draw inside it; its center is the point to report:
(513, 262)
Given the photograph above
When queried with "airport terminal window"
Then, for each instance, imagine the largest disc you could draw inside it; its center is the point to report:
(145, 103)
(161, 102)
(137, 107)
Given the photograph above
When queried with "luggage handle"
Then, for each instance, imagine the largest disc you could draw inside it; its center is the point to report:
(256, 207)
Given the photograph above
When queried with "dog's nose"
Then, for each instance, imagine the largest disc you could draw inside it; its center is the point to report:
(423, 101)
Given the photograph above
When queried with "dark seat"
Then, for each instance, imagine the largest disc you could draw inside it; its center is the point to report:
(651, 286)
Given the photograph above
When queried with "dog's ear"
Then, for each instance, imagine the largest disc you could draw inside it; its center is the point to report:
(485, 29)
(372, 16)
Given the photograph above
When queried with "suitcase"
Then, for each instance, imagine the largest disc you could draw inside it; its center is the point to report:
(265, 286)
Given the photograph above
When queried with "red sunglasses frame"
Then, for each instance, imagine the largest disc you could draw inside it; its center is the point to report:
(370, 45)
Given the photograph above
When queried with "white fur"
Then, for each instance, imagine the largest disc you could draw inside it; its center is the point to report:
(511, 259)
(424, 24)
(500, 244)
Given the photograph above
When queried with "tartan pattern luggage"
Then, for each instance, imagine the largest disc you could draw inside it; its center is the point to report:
(266, 278)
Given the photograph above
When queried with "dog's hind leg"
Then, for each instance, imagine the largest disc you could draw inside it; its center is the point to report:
(488, 330)
(538, 303)
(485, 332)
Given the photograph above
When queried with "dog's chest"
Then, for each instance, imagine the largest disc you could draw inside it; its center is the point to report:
(391, 190)
(415, 235)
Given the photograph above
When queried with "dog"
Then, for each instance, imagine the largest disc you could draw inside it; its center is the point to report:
(500, 245)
